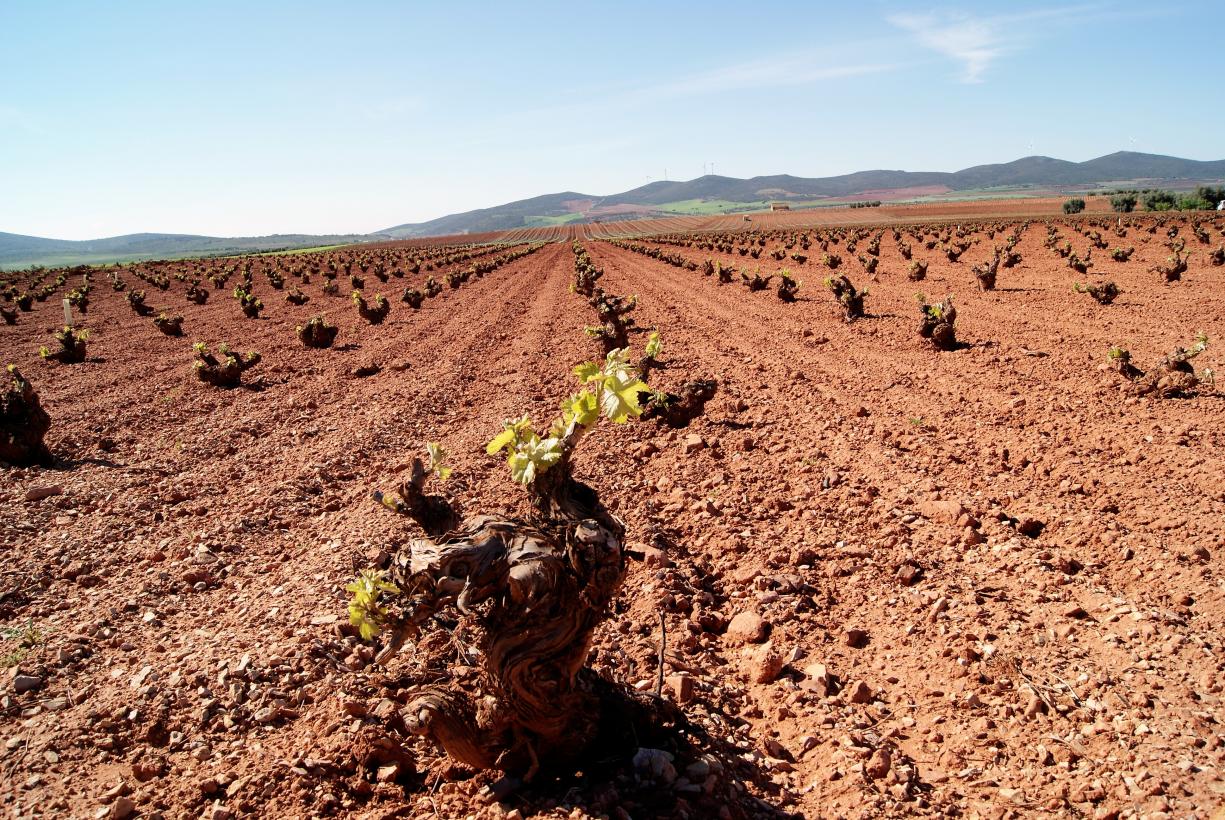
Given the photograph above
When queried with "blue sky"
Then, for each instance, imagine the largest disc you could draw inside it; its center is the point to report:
(252, 118)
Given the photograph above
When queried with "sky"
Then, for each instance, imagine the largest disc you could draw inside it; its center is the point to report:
(251, 118)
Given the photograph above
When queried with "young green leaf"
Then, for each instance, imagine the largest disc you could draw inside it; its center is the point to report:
(658, 399)
(619, 397)
(513, 428)
(533, 456)
(438, 460)
(501, 441)
(581, 409)
(654, 345)
(587, 371)
(364, 610)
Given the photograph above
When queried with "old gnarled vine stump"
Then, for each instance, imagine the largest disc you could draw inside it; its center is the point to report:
(536, 588)
(537, 594)
(23, 422)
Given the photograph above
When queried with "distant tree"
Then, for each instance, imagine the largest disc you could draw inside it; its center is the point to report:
(1074, 206)
(1159, 201)
(1193, 202)
(1124, 202)
(1211, 195)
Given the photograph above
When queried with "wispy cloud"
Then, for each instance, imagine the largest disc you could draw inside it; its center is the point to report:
(775, 72)
(535, 125)
(975, 41)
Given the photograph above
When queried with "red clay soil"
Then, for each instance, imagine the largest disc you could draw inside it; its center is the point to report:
(985, 582)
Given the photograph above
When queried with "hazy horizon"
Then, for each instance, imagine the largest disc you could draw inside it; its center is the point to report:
(228, 121)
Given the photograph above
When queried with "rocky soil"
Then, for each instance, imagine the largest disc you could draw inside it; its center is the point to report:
(894, 580)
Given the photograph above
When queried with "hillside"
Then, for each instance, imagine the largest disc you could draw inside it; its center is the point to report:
(18, 251)
(706, 194)
(655, 198)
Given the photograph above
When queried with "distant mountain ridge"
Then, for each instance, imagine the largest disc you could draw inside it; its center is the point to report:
(18, 250)
(654, 199)
(1037, 171)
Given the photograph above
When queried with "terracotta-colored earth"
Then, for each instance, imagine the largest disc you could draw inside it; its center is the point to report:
(985, 582)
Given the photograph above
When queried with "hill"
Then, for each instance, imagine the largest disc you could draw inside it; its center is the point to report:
(706, 194)
(657, 198)
(17, 251)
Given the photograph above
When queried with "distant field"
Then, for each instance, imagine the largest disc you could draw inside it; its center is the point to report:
(798, 218)
(315, 249)
(74, 259)
(975, 194)
(705, 207)
(17, 252)
(69, 260)
(721, 207)
(551, 221)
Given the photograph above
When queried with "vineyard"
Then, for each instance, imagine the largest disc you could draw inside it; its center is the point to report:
(691, 517)
(800, 219)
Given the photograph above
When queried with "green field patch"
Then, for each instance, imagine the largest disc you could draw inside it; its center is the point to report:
(67, 260)
(706, 207)
(973, 195)
(316, 249)
(550, 221)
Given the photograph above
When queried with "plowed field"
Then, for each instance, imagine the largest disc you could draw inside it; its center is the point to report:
(985, 582)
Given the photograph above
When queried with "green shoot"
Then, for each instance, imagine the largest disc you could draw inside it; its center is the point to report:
(659, 399)
(610, 391)
(654, 345)
(1201, 344)
(527, 453)
(365, 613)
(438, 460)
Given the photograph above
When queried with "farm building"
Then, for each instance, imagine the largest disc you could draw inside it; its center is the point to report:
(779, 206)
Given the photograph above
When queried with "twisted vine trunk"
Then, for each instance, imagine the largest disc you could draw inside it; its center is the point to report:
(23, 422)
(537, 590)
